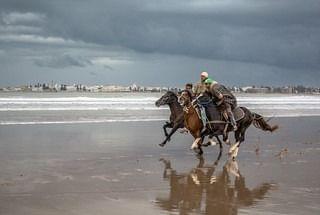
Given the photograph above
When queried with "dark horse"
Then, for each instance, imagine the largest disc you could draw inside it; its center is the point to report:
(217, 126)
(176, 117)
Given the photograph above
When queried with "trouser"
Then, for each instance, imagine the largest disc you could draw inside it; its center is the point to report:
(228, 114)
(203, 115)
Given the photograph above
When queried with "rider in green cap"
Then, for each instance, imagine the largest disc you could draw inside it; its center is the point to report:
(209, 81)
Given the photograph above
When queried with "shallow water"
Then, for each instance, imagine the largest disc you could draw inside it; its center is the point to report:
(118, 168)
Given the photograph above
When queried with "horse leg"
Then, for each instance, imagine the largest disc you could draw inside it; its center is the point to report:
(239, 138)
(211, 141)
(165, 126)
(220, 143)
(226, 135)
(199, 143)
(200, 151)
(173, 130)
(203, 134)
(196, 145)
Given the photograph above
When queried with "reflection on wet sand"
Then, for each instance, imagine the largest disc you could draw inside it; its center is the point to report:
(203, 191)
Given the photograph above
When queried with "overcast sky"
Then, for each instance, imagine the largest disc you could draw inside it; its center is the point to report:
(160, 42)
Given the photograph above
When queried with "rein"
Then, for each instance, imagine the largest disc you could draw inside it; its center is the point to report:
(193, 104)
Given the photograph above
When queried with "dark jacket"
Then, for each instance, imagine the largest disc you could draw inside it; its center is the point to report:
(221, 94)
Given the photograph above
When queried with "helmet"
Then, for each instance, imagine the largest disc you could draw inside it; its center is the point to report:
(208, 81)
(204, 74)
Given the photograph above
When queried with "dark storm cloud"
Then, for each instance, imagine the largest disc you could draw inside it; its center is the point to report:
(283, 34)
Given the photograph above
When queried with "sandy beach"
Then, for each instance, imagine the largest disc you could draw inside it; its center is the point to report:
(118, 168)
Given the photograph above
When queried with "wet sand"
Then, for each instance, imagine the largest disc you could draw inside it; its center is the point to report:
(118, 168)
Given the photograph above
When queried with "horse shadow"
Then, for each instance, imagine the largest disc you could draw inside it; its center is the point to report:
(206, 191)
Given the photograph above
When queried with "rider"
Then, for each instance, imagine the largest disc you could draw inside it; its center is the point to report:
(224, 99)
(200, 87)
(189, 87)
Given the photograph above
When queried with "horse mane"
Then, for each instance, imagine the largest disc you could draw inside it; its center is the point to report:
(171, 92)
(188, 92)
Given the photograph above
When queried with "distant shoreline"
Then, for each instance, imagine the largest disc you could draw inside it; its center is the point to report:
(137, 92)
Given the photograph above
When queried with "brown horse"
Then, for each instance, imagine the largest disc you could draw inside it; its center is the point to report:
(217, 127)
(192, 120)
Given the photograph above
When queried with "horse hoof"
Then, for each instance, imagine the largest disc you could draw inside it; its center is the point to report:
(161, 144)
(212, 143)
(206, 144)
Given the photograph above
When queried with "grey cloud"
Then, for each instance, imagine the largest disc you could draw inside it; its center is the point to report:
(22, 18)
(62, 62)
(108, 67)
(274, 33)
(282, 36)
(19, 29)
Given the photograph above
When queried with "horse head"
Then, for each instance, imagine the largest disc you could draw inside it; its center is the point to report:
(166, 99)
(185, 98)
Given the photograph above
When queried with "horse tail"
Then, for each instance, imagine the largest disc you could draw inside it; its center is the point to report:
(261, 123)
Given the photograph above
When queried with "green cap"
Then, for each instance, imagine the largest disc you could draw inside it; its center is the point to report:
(208, 81)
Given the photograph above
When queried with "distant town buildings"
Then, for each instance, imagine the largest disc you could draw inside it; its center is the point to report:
(54, 87)
(284, 90)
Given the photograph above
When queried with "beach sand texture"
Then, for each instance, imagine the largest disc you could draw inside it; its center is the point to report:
(118, 168)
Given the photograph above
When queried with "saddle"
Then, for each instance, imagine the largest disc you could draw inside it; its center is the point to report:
(214, 115)
(238, 113)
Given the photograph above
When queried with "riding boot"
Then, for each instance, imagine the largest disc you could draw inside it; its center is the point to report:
(226, 117)
(232, 121)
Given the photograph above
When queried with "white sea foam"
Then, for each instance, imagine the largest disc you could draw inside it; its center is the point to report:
(145, 103)
(61, 109)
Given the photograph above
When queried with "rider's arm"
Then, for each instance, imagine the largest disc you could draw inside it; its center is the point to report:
(218, 95)
(196, 89)
(216, 92)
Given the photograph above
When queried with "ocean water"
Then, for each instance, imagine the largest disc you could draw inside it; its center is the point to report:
(55, 108)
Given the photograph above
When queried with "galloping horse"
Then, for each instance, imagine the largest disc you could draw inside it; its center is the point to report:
(218, 127)
(176, 117)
